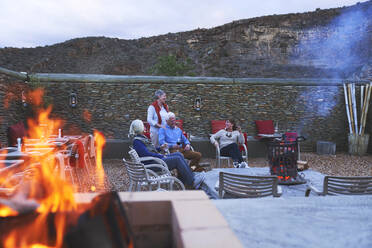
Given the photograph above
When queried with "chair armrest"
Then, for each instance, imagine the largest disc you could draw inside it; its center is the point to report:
(163, 169)
(245, 148)
(192, 148)
(312, 188)
(157, 160)
(217, 149)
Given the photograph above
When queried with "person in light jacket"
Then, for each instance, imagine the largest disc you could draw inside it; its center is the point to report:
(156, 115)
(227, 140)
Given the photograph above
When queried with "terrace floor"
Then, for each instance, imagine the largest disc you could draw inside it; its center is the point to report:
(340, 164)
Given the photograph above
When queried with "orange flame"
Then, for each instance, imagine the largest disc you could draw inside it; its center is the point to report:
(45, 186)
(41, 182)
(100, 142)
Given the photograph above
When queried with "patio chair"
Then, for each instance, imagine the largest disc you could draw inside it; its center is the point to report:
(335, 185)
(244, 186)
(217, 125)
(15, 131)
(155, 162)
(89, 150)
(141, 177)
(76, 163)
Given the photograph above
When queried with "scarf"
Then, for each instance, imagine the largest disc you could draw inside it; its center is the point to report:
(149, 145)
(157, 109)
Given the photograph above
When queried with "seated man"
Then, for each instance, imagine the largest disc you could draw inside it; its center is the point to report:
(145, 148)
(172, 137)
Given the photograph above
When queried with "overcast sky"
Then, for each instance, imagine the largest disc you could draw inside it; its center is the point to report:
(31, 23)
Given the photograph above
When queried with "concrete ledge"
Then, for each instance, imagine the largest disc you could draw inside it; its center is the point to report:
(173, 219)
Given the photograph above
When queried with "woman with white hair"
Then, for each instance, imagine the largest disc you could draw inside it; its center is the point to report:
(144, 148)
(156, 114)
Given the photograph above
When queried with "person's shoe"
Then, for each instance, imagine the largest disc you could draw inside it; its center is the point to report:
(236, 164)
(198, 179)
(243, 165)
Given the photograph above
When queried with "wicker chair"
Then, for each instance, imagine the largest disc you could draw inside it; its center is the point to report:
(244, 186)
(335, 185)
(141, 177)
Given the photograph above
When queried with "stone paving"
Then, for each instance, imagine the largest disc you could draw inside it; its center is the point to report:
(330, 221)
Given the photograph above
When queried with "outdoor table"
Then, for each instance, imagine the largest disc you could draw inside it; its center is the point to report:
(8, 164)
(50, 142)
(26, 155)
(313, 177)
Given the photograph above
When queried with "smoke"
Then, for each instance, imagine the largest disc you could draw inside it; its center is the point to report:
(337, 49)
(340, 47)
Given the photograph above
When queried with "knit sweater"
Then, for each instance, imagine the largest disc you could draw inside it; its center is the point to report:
(226, 138)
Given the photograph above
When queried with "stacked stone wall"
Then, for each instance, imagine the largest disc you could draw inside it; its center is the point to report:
(317, 112)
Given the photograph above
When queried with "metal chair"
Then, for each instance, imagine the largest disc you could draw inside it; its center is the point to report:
(335, 185)
(140, 176)
(244, 186)
(80, 176)
(219, 157)
(89, 150)
(155, 162)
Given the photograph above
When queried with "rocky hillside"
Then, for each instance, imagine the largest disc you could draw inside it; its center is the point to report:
(324, 43)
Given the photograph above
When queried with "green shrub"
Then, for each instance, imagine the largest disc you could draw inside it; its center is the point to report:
(169, 65)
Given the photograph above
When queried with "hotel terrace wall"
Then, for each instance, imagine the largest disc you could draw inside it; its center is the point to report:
(317, 112)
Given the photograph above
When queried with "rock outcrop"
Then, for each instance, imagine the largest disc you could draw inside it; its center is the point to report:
(324, 43)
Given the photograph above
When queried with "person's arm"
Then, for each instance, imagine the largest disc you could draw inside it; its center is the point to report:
(150, 116)
(216, 136)
(142, 150)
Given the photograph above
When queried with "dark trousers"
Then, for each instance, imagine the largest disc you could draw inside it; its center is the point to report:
(233, 152)
(176, 161)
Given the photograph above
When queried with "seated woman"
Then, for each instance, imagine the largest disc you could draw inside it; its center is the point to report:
(144, 147)
(228, 143)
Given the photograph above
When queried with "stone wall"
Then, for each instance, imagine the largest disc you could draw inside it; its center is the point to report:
(318, 112)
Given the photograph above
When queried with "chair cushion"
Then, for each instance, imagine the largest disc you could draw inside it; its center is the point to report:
(290, 136)
(217, 125)
(265, 126)
(179, 124)
(15, 131)
(241, 148)
(146, 131)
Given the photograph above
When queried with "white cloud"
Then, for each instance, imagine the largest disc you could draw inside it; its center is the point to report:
(27, 23)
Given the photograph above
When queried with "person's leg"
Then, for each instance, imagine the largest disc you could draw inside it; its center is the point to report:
(232, 151)
(194, 157)
(154, 138)
(174, 161)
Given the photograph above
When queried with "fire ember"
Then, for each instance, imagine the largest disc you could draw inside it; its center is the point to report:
(283, 156)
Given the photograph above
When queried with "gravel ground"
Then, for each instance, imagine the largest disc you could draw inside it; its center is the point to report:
(340, 164)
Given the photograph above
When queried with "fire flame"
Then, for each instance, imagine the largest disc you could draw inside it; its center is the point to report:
(43, 184)
(100, 142)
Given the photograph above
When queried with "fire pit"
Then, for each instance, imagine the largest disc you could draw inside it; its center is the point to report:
(282, 156)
